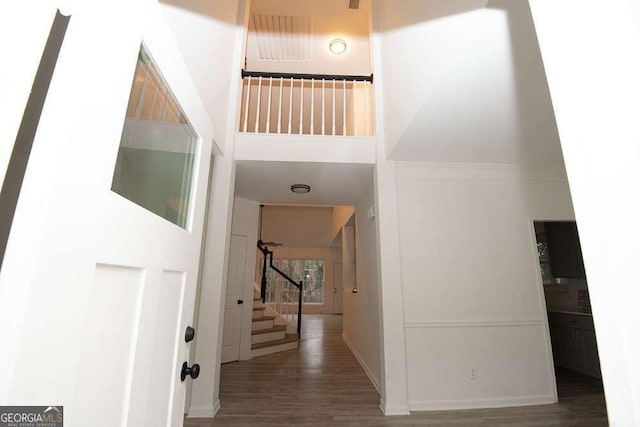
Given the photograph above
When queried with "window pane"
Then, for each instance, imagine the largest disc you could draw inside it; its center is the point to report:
(311, 272)
(155, 161)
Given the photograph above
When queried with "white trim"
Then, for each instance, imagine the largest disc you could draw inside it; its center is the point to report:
(480, 171)
(365, 367)
(498, 402)
(474, 324)
(393, 411)
(304, 148)
(204, 411)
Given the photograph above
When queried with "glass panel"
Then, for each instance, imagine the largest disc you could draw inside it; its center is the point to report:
(155, 161)
(311, 272)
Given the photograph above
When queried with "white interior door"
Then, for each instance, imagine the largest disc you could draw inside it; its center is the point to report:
(337, 288)
(99, 288)
(233, 306)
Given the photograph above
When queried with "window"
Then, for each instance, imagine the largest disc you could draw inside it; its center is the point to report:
(310, 271)
(154, 168)
(543, 254)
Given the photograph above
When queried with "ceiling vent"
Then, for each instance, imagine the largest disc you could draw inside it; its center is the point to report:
(354, 4)
(282, 38)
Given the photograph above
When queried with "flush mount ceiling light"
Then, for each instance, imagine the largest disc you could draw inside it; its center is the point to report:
(337, 46)
(300, 188)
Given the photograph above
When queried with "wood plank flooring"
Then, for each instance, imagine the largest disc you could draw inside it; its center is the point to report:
(322, 384)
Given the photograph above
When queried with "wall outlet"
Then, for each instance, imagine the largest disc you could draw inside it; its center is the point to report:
(522, 296)
(473, 374)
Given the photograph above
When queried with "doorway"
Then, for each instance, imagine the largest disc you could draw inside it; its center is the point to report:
(573, 339)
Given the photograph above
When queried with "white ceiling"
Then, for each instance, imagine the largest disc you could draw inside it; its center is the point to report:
(278, 30)
(331, 183)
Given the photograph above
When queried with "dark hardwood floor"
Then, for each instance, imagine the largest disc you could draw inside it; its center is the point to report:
(322, 384)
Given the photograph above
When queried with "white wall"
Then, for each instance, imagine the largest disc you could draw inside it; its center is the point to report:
(297, 226)
(361, 311)
(210, 36)
(206, 33)
(468, 79)
(473, 297)
(340, 216)
(599, 136)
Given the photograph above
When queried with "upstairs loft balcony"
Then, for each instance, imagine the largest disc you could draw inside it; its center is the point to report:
(306, 105)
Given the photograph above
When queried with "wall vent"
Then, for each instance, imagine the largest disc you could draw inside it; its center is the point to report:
(354, 4)
(282, 38)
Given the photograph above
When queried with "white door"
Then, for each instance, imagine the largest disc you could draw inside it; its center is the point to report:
(96, 291)
(337, 288)
(234, 299)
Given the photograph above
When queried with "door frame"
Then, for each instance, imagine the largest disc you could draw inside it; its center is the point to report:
(540, 288)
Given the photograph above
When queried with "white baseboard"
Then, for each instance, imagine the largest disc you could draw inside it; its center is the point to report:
(391, 411)
(362, 363)
(500, 402)
(204, 411)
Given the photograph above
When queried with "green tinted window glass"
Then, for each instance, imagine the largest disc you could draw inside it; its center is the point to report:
(155, 163)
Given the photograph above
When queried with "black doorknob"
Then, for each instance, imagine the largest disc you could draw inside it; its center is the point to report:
(193, 372)
(240, 301)
(189, 334)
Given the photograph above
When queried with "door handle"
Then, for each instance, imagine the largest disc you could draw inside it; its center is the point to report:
(240, 301)
(189, 334)
(193, 372)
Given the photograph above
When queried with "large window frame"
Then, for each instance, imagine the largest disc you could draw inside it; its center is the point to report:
(312, 272)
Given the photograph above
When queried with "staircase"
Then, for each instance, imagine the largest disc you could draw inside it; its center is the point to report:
(267, 336)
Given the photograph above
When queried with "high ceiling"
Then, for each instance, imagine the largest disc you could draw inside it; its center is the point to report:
(474, 90)
(331, 183)
(292, 36)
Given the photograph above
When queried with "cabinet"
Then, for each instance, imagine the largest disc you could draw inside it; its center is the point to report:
(573, 341)
(565, 253)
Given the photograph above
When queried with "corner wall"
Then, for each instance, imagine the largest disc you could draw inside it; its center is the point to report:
(473, 297)
(362, 321)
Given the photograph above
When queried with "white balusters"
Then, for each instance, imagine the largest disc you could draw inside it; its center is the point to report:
(352, 118)
(269, 105)
(344, 107)
(323, 107)
(290, 104)
(313, 89)
(333, 110)
(246, 104)
(280, 108)
(301, 104)
(256, 129)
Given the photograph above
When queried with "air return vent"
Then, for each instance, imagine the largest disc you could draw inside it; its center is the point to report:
(354, 4)
(282, 38)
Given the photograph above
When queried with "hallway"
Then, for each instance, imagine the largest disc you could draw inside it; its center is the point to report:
(322, 384)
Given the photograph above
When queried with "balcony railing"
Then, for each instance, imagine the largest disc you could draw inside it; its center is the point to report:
(306, 104)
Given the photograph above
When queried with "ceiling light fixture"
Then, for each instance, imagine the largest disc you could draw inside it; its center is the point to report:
(337, 46)
(300, 188)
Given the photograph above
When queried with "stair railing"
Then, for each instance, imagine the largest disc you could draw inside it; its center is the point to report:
(263, 283)
(306, 104)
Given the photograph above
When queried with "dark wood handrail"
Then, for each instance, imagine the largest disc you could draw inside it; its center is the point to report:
(298, 76)
(263, 283)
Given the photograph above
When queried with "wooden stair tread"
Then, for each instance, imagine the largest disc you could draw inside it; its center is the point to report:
(287, 339)
(258, 308)
(276, 328)
(263, 318)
